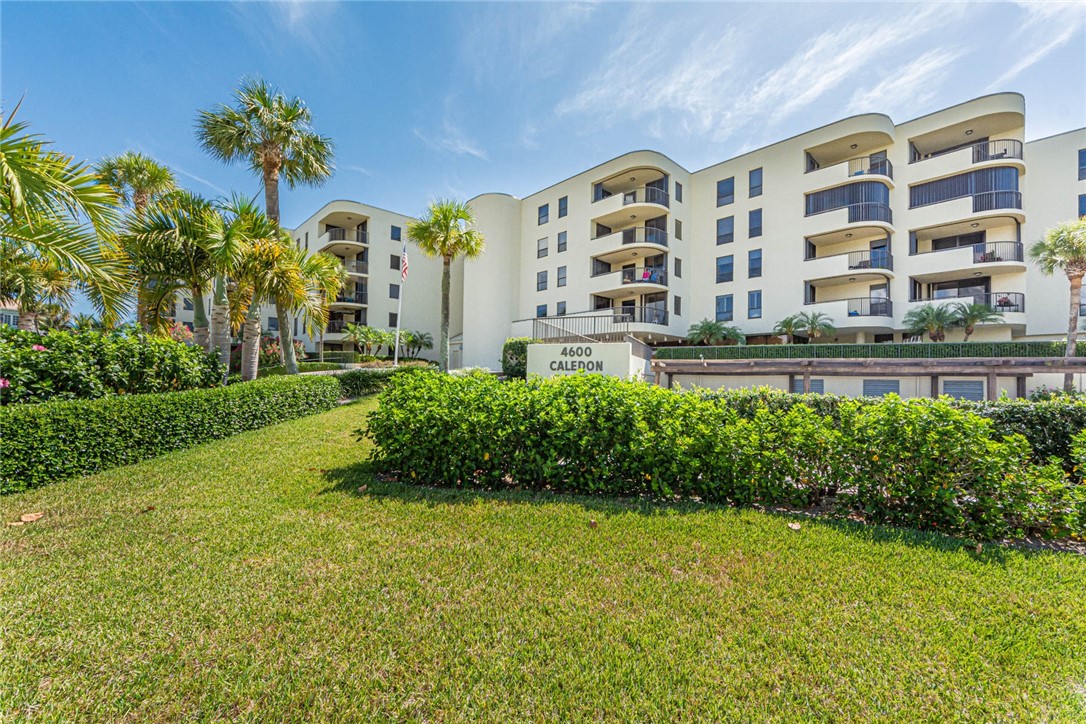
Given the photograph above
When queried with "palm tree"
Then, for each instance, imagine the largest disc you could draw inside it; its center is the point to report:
(815, 324)
(709, 332)
(85, 323)
(421, 341)
(447, 232)
(968, 316)
(362, 336)
(1064, 247)
(788, 327)
(407, 341)
(57, 210)
(137, 179)
(30, 283)
(273, 134)
(934, 319)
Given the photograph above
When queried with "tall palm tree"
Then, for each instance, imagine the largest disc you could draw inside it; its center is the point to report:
(710, 332)
(1064, 248)
(30, 283)
(270, 132)
(968, 316)
(56, 209)
(934, 319)
(788, 327)
(815, 324)
(448, 232)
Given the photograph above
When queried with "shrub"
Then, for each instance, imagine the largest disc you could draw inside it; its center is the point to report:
(358, 382)
(63, 365)
(927, 464)
(515, 357)
(40, 444)
(269, 353)
(302, 367)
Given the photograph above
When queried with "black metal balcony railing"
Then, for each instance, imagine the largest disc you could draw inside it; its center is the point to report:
(355, 235)
(992, 200)
(646, 195)
(870, 165)
(638, 235)
(1006, 302)
(337, 326)
(357, 267)
(870, 211)
(643, 275)
(998, 251)
(638, 315)
(870, 259)
(996, 150)
(870, 307)
(358, 297)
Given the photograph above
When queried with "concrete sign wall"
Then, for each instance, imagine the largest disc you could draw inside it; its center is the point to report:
(604, 358)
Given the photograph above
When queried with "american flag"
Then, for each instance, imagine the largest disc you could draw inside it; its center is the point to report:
(403, 264)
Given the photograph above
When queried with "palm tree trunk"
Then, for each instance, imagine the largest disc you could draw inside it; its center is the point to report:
(271, 193)
(286, 339)
(28, 321)
(200, 332)
(446, 276)
(250, 346)
(220, 325)
(1072, 329)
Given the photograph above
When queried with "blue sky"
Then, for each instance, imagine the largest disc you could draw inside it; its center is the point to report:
(457, 99)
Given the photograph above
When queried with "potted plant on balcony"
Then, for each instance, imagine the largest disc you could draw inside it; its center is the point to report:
(1004, 301)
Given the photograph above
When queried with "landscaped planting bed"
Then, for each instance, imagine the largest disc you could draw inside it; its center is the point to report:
(926, 464)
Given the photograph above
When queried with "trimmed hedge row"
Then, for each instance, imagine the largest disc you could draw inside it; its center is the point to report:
(64, 365)
(41, 444)
(366, 381)
(1048, 426)
(921, 463)
(922, 350)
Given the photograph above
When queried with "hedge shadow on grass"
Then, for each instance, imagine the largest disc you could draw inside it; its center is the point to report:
(349, 479)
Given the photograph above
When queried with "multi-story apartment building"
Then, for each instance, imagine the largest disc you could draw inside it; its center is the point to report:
(860, 219)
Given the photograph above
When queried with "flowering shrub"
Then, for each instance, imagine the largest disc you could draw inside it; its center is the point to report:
(180, 333)
(269, 353)
(64, 365)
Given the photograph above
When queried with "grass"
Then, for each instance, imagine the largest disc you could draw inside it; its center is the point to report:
(251, 579)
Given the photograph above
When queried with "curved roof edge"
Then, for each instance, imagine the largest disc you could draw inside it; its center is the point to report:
(351, 201)
(963, 103)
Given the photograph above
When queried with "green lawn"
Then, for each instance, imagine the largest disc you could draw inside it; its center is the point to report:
(250, 579)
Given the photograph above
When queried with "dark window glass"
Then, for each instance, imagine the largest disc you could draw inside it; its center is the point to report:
(724, 308)
(725, 191)
(754, 263)
(187, 304)
(995, 188)
(541, 310)
(393, 291)
(561, 276)
(541, 280)
(1082, 205)
(678, 230)
(541, 248)
(862, 192)
(1081, 164)
(725, 230)
(396, 233)
(724, 268)
(544, 213)
(561, 241)
(679, 189)
(755, 182)
(560, 308)
(678, 305)
(754, 304)
(754, 223)
(394, 262)
(273, 324)
(563, 206)
(678, 268)
(393, 320)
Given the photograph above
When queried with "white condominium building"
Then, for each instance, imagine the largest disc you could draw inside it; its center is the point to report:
(861, 220)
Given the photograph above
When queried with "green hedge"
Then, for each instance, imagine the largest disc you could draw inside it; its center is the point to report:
(64, 365)
(274, 370)
(40, 444)
(515, 357)
(355, 383)
(922, 350)
(922, 463)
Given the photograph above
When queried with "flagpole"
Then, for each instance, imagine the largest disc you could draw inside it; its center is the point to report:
(399, 308)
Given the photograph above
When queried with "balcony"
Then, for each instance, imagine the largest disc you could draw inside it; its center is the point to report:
(851, 216)
(627, 244)
(848, 267)
(607, 324)
(353, 266)
(985, 208)
(857, 313)
(630, 204)
(851, 170)
(1013, 303)
(356, 298)
(629, 282)
(994, 200)
(991, 257)
(337, 326)
(342, 242)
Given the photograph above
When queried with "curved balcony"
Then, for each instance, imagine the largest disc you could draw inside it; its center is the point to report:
(850, 170)
(358, 268)
(342, 242)
(972, 207)
(644, 202)
(851, 266)
(1003, 152)
(352, 300)
(629, 282)
(857, 313)
(846, 217)
(627, 244)
(1005, 302)
(990, 257)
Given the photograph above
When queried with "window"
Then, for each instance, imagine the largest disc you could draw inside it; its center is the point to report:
(187, 304)
(393, 320)
(396, 233)
(678, 268)
(541, 310)
(755, 179)
(993, 188)
(754, 223)
(725, 191)
(725, 230)
(861, 192)
(541, 248)
(295, 326)
(878, 388)
(1081, 164)
(953, 242)
(724, 308)
(394, 262)
(544, 214)
(560, 308)
(561, 241)
(188, 325)
(678, 230)
(561, 276)
(307, 240)
(754, 304)
(965, 389)
(1082, 205)
(724, 268)
(393, 291)
(818, 387)
(679, 186)
(297, 242)
(273, 324)
(563, 206)
(754, 263)
(678, 305)
(541, 280)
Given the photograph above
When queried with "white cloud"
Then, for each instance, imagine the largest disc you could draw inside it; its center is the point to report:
(913, 86)
(1047, 27)
(287, 25)
(360, 169)
(452, 140)
(199, 179)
